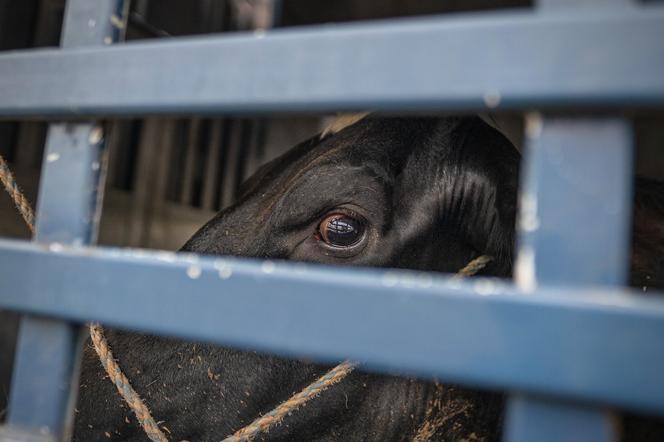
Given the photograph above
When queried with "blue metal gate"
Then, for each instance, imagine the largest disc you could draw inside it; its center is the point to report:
(567, 340)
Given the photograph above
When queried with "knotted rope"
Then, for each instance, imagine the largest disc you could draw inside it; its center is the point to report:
(96, 332)
(262, 424)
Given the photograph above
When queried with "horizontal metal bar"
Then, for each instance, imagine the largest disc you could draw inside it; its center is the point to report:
(597, 345)
(610, 56)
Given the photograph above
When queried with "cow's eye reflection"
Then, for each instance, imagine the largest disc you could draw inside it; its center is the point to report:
(340, 230)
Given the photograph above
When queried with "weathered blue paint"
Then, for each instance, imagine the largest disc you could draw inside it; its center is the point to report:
(67, 213)
(574, 229)
(575, 202)
(532, 418)
(47, 353)
(481, 332)
(41, 391)
(564, 351)
(504, 60)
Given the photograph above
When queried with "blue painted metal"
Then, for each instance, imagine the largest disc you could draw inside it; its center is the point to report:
(93, 24)
(71, 188)
(47, 353)
(574, 229)
(514, 60)
(575, 206)
(598, 344)
(548, 420)
(548, 5)
(67, 212)
(13, 434)
(480, 332)
(41, 391)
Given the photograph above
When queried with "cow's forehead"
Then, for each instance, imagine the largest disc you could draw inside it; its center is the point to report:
(377, 142)
(381, 144)
(363, 140)
(341, 167)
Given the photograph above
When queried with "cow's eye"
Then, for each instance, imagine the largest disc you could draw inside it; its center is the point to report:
(341, 230)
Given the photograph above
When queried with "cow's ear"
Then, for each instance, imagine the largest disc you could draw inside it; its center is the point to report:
(462, 175)
(487, 152)
(340, 122)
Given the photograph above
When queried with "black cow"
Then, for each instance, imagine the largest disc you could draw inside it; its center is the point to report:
(416, 193)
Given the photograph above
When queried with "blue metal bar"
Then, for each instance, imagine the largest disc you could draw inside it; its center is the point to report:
(40, 395)
(546, 420)
(597, 344)
(94, 24)
(542, 419)
(13, 434)
(575, 203)
(45, 368)
(71, 187)
(604, 57)
(68, 212)
(574, 227)
(548, 5)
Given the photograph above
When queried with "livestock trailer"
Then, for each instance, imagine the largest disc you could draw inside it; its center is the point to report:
(566, 340)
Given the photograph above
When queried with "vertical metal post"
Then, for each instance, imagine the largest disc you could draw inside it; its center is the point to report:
(574, 225)
(43, 386)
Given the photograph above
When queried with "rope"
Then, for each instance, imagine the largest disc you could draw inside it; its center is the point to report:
(264, 423)
(20, 200)
(96, 332)
(124, 387)
(474, 266)
(145, 419)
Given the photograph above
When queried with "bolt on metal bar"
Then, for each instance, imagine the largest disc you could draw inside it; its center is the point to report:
(574, 225)
(47, 354)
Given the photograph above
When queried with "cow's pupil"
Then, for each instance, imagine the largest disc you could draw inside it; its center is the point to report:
(341, 230)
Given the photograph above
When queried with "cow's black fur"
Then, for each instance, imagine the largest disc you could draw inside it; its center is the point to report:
(435, 192)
